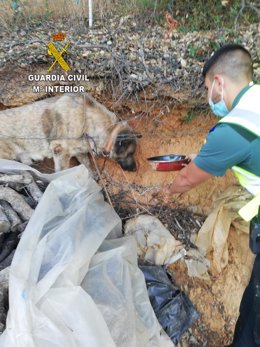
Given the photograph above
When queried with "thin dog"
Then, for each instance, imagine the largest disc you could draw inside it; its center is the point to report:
(63, 127)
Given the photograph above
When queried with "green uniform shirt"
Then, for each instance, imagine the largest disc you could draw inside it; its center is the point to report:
(228, 145)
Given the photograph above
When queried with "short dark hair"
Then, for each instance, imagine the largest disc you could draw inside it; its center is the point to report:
(231, 59)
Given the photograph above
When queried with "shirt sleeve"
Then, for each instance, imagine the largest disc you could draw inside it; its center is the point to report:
(224, 148)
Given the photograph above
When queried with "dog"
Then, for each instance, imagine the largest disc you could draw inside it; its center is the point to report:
(63, 127)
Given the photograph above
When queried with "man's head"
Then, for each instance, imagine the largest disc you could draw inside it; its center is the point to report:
(227, 72)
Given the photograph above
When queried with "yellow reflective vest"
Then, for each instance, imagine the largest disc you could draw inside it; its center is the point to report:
(246, 114)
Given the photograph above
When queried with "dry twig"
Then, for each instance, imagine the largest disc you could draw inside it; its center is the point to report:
(244, 5)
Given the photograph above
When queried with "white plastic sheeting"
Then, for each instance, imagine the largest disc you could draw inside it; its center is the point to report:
(155, 244)
(118, 288)
(72, 284)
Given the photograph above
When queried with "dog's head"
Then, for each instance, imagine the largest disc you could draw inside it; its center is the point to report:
(124, 146)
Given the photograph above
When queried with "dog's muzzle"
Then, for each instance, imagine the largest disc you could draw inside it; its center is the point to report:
(128, 164)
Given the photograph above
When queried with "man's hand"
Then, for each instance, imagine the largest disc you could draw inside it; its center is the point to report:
(189, 177)
(191, 156)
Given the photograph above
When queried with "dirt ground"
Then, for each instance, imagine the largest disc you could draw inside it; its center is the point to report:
(164, 131)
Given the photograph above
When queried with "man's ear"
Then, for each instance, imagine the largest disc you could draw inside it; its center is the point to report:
(219, 80)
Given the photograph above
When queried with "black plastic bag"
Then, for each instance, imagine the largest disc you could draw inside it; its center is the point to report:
(172, 308)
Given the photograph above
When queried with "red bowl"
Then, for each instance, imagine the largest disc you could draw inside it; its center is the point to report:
(169, 162)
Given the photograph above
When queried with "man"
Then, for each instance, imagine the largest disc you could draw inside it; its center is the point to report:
(233, 143)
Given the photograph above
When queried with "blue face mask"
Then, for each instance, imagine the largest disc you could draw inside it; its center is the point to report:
(220, 108)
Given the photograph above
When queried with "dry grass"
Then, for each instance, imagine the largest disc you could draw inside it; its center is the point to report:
(33, 11)
(36, 10)
(191, 15)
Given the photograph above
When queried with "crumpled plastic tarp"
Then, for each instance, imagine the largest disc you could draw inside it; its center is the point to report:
(172, 307)
(197, 264)
(215, 230)
(117, 287)
(72, 284)
(155, 244)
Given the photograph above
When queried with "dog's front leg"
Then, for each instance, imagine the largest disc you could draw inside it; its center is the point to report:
(61, 157)
(24, 158)
(83, 159)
